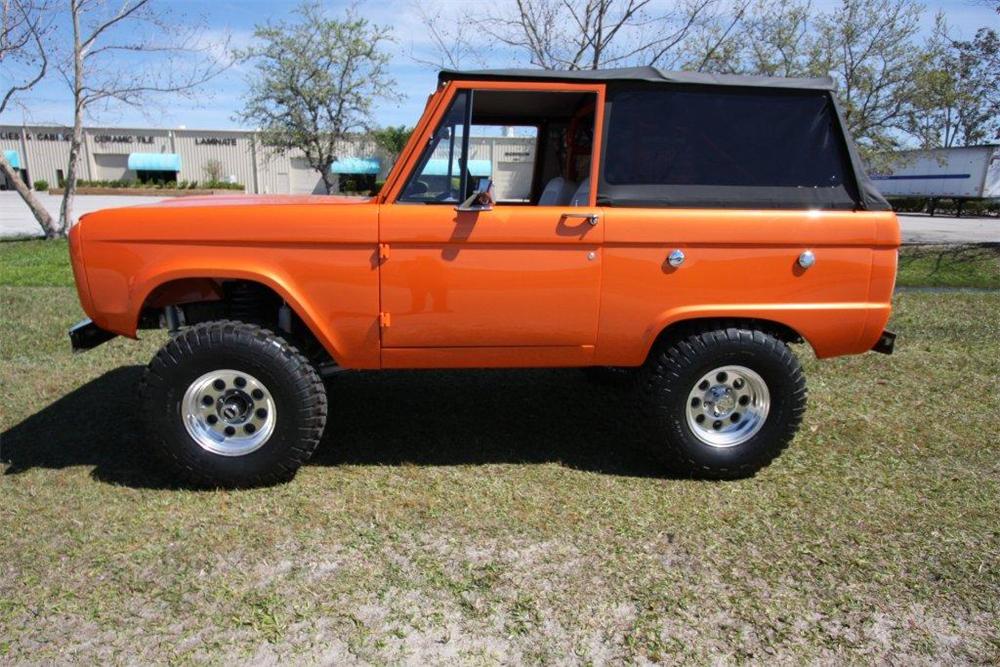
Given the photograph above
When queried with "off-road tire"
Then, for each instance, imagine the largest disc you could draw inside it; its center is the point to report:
(671, 373)
(297, 391)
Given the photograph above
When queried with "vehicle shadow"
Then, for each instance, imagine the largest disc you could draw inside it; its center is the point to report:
(433, 418)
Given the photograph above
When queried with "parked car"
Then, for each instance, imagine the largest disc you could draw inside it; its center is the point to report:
(677, 231)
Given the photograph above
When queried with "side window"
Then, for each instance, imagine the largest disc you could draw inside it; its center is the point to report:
(437, 178)
(724, 148)
(535, 147)
(505, 154)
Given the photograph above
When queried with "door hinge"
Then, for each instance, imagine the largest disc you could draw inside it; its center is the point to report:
(383, 251)
(384, 320)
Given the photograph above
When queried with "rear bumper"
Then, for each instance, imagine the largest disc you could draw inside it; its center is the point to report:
(886, 343)
(85, 335)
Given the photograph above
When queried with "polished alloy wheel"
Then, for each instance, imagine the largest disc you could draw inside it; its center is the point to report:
(228, 412)
(728, 406)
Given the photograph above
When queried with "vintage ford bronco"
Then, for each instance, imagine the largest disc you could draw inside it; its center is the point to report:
(676, 230)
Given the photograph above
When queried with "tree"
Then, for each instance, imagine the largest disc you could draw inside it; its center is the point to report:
(582, 34)
(958, 93)
(453, 40)
(392, 140)
(868, 47)
(771, 38)
(979, 83)
(315, 83)
(24, 62)
(213, 170)
(101, 67)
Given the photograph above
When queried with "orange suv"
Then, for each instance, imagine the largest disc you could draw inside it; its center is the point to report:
(673, 232)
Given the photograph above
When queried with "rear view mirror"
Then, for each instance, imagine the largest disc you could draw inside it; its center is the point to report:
(481, 199)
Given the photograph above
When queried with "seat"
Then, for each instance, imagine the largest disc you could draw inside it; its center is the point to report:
(557, 192)
(582, 195)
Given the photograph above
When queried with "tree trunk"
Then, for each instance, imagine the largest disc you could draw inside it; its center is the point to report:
(329, 181)
(41, 215)
(66, 210)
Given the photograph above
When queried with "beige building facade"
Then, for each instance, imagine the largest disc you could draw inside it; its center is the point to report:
(110, 154)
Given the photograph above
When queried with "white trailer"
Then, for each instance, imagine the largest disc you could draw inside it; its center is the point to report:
(969, 172)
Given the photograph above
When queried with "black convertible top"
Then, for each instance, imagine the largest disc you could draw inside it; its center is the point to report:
(646, 74)
(822, 132)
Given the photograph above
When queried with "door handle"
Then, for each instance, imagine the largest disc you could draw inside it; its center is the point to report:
(592, 218)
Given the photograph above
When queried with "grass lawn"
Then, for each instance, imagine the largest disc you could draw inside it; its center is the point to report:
(949, 266)
(503, 517)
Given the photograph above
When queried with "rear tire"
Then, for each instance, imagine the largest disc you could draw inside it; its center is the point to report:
(230, 404)
(721, 404)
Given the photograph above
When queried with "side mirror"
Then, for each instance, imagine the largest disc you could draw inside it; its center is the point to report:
(481, 199)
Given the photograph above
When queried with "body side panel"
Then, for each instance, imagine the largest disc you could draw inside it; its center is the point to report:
(743, 264)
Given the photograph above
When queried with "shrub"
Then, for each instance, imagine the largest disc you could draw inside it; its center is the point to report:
(42, 185)
(213, 170)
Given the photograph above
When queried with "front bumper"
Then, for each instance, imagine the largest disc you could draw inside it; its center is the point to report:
(85, 335)
(886, 343)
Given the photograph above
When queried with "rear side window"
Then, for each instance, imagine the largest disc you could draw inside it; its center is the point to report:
(773, 149)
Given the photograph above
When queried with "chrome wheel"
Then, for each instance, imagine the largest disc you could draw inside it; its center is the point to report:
(728, 406)
(228, 412)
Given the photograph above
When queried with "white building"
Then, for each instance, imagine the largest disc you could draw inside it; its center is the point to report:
(110, 154)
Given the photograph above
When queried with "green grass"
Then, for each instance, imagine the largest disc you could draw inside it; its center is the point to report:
(949, 266)
(503, 516)
(35, 263)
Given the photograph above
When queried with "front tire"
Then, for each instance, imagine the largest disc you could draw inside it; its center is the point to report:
(229, 404)
(722, 404)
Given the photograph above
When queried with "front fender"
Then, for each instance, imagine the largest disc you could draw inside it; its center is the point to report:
(316, 252)
(333, 290)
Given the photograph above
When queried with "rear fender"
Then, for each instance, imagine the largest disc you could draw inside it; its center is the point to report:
(831, 329)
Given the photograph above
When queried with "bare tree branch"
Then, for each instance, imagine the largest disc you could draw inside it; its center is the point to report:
(127, 53)
(24, 62)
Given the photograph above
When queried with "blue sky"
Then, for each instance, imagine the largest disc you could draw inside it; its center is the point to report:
(50, 102)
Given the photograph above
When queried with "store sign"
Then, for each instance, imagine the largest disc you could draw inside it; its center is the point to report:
(37, 136)
(215, 141)
(123, 139)
(51, 136)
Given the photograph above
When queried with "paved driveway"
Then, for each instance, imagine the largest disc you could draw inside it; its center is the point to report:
(941, 229)
(16, 220)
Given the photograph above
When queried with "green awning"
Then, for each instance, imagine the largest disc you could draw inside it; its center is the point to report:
(13, 158)
(355, 165)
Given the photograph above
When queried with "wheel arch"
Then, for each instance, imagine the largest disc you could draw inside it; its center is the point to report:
(684, 327)
(177, 288)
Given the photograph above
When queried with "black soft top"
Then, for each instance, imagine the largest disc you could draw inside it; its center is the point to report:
(644, 74)
(858, 192)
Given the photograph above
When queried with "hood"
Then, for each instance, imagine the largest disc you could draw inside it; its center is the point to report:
(227, 219)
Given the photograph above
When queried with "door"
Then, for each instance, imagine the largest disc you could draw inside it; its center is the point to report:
(479, 282)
